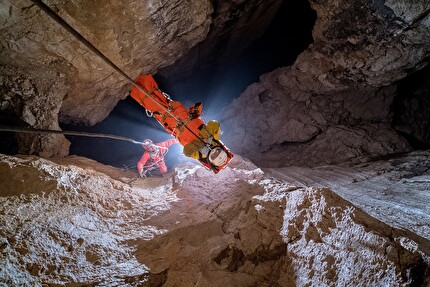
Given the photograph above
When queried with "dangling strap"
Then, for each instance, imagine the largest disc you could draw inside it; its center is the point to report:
(180, 125)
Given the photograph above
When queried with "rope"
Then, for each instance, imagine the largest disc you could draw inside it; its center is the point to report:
(74, 133)
(90, 46)
(81, 38)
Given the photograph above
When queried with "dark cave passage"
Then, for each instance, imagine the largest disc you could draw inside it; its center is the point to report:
(289, 34)
(411, 116)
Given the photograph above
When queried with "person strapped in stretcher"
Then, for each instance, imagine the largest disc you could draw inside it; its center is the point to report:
(201, 141)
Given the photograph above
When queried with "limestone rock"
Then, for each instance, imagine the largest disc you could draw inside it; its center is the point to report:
(37, 102)
(334, 104)
(83, 223)
(139, 37)
(282, 127)
(373, 42)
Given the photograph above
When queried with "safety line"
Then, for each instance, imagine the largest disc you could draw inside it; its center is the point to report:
(51, 13)
(74, 133)
(90, 46)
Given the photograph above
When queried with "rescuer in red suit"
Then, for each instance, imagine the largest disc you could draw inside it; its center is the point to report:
(153, 157)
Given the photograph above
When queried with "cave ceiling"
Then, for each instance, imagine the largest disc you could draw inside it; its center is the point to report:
(336, 96)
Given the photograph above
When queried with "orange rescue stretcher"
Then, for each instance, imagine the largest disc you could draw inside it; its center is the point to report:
(184, 124)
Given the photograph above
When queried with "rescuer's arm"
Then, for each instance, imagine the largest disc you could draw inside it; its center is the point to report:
(168, 143)
(195, 111)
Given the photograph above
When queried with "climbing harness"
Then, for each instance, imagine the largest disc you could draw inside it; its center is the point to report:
(159, 150)
(205, 149)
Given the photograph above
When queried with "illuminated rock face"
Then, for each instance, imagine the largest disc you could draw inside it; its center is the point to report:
(77, 222)
(337, 102)
(287, 127)
(136, 36)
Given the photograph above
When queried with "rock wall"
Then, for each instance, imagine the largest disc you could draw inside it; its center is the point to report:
(371, 43)
(334, 104)
(37, 102)
(139, 37)
(282, 127)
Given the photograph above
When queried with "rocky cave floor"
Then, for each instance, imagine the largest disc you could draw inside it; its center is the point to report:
(75, 222)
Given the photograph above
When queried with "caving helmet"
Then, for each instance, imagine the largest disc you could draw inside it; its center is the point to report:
(147, 142)
(148, 145)
(217, 156)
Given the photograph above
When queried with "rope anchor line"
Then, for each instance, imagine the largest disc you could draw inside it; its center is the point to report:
(73, 133)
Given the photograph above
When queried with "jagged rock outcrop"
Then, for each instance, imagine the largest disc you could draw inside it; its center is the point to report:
(137, 36)
(282, 127)
(36, 101)
(371, 43)
(82, 223)
(334, 103)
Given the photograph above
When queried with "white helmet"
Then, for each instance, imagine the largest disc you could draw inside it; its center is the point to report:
(149, 145)
(217, 156)
(147, 142)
